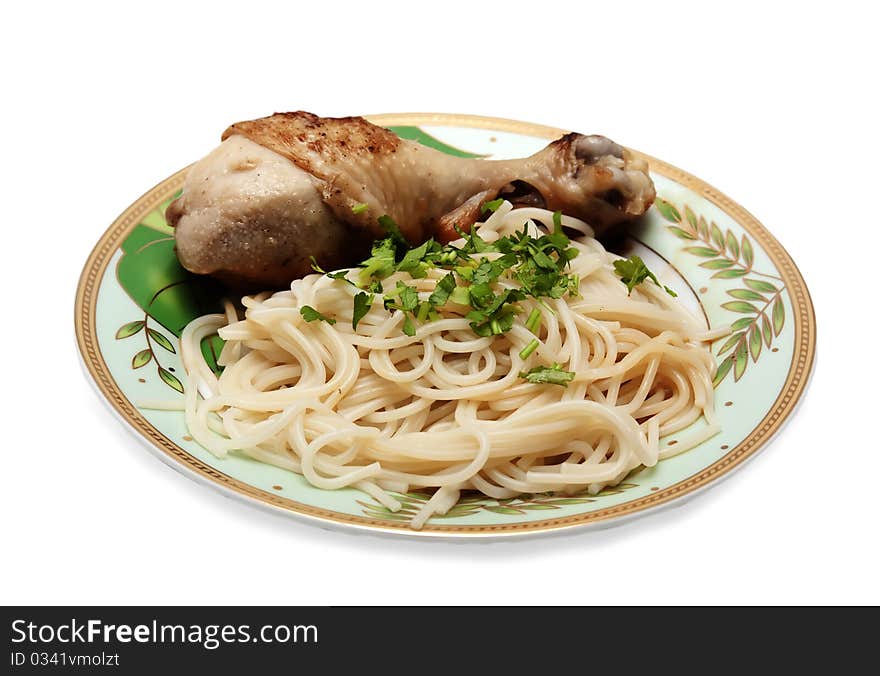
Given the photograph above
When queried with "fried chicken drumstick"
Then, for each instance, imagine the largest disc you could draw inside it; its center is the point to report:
(281, 189)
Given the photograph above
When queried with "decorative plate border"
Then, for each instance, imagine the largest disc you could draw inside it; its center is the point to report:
(792, 390)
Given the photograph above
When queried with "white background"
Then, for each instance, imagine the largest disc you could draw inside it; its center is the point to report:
(774, 106)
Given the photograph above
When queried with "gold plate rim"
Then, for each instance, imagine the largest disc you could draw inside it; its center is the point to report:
(790, 395)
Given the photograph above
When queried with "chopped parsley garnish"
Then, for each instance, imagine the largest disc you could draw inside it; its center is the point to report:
(362, 303)
(408, 327)
(537, 264)
(359, 208)
(541, 262)
(633, 271)
(339, 274)
(481, 295)
(441, 292)
(409, 297)
(380, 264)
(474, 243)
(497, 316)
(460, 295)
(553, 375)
(394, 234)
(310, 314)
(316, 267)
(492, 205)
(403, 297)
(528, 349)
(533, 323)
(414, 260)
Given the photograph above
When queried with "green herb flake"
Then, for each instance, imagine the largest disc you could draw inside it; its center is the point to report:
(528, 349)
(460, 295)
(633, 271)
(339, 274)
(359, 208)
(491, 205)
(317, 268)
(413, 260)
(310, 314)
(408, 326)
(481, 295)
(498, 315)
(403, 297)
(442, 291)
(409, 297)
(474, 243)
(533, 323)
(544, 261)
(496, 324)
(380, 264)
(362, 303)
(484, 273)
(466, 272)
(553, 375)
(389, 226)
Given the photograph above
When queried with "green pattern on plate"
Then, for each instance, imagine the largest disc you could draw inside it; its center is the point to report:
(167, 293)
(732, 257)
(423, 137)
(470, 504)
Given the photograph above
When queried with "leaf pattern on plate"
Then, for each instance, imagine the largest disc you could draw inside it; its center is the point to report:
(142, 358)
(159, 339)
(148, 354)
(170, 379)
(470, 503)
(732, 258)
(129, 329)
(169, 296)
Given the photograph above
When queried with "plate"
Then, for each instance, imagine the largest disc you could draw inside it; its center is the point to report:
(134, 299)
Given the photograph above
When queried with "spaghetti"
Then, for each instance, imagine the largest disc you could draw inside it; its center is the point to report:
(446, 409)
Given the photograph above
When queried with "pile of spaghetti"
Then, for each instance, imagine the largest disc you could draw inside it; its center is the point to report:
(513, 360)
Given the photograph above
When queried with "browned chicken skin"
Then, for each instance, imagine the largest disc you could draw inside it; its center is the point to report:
(282, 188)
